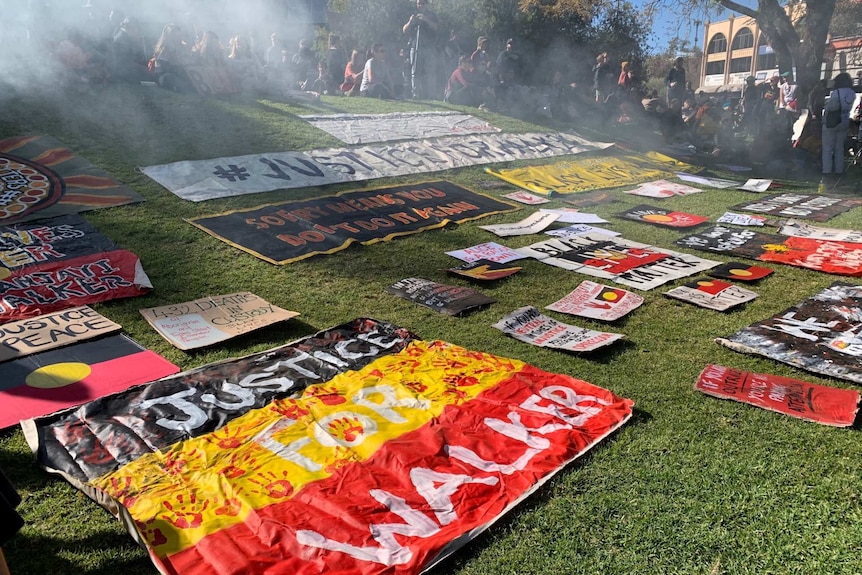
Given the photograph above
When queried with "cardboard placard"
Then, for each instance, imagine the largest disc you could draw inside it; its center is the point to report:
(488, 251)
(597, 301)
(210, 320)
(53, 330)
(661, 217)
(663, 189)
(529, 325)
(532, 224)
(442, 298)
(712, 294)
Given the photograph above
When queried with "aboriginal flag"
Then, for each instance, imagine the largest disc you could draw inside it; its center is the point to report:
(740, 272)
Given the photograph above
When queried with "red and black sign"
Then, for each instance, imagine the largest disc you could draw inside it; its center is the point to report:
(740, 272)
(289, 232)
(662, 217)
(485, 270)
(446, 299)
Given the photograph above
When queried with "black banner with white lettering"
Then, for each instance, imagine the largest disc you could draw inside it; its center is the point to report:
(815, 207)
(292, 231)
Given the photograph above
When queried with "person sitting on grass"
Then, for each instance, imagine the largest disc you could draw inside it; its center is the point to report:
(353, 74)
(465, 87)
(376, 80)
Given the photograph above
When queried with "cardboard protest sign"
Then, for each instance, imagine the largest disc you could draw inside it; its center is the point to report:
(197, 181)
(49, 265)
(619, 260)
(529, 325)
(821, 334)
(292, 231)
(42, 383)
(663, 189)
(442, 298)
(755, 185)
(40, 178)
(706, 181)
(488, 251)
(817, 207)
(840, 258)
(712, 294)
(370, 128)
(661, 217)
(579, 230)
(587, 199)
(573, 216)
(485, 270)
(741, 219)
(799, 229)
(409, 459)
(210, 320)
(29, 336)
(591, 173)
(533, 224)
(740, 272)
(793, 397)
(105, 434)
(526, 198)
(597, 301)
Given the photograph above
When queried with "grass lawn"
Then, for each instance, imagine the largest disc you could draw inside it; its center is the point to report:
(691, 485)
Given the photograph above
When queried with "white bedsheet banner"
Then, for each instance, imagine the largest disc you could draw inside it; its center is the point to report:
(371, 128)
(225, 177)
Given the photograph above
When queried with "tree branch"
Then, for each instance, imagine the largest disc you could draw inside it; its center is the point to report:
(737, 7)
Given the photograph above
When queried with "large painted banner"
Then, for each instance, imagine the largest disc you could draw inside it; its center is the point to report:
(591, 173)
(225, 177)
(49, 265)
(292, 231)
(793, 397)
(840, 258)
(623, 261)
(821, 334)
(372, 128)
(815, 207)
(40, 178)
(45, 382)
(422, 451)
(103, 435)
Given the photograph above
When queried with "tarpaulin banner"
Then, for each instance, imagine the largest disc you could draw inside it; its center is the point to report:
(591, 173)
(412, 457)
(531, 326)
(712, 294)
(840, 258)
(616, 259)
(371, 128)
(793, 397)
(210, 320)
(45, 382)
(50, 331)
(291, 231)
(821, 334)
(40, 178)
(802, 230)
(102, 435)
(597, 301)
(442, 298)
(49, 265)
(815, 207)
(661, 217)
(225, 177)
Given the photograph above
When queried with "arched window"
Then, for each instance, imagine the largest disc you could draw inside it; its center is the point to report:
(743, 39)
(718, 44)
(765, 56)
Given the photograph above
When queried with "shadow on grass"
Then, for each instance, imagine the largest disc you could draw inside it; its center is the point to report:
(113, 552)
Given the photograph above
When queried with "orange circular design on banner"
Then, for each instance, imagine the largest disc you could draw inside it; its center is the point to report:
(610, 296)
(706, 283)
(657, 218)
(26, 187)
(58, 375)
(741, 273)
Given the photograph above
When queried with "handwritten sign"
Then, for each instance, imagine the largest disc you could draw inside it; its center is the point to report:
(53, 330)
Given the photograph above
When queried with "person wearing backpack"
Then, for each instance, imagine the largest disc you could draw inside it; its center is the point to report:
(836, 124)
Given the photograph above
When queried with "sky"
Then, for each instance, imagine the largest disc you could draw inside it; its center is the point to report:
(669, 24)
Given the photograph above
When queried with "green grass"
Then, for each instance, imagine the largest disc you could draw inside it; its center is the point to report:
(692, 485)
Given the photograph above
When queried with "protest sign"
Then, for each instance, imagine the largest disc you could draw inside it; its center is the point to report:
(50, 331)
(623, 261)
(841, 258)
(793, 397)
(591, 173)
(529, 325)
(741, 219)
(40, 178)
(372, 128)
(42, 383)
(755, 185)
(661, 217)
(292, 231)
(799, 229)
(712, 294)
(442, 298)
(390, 474)
(817, 207)
(821, 334)
(705, 181)
(533, 224)
(488, 251)
(597, 301)
(579, 230)
(573, 216)
(62, 262)
(210, 320)
(526, 198)
(485, 270)
(254, 173)
(663, 189)
(740, 272)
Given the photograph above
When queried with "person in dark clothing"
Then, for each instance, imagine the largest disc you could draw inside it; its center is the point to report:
(336, 61)
(423, 28)
(675, 82)
(510, 65)
(10, 521)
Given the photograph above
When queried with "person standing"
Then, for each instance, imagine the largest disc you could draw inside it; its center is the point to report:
(834, 132)
(675, 81)
(423, 28)
(603, 78)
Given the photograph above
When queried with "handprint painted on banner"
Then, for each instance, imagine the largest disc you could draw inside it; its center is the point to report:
(188, 513)
(153, 535)
(275, 488)
(328, 395)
